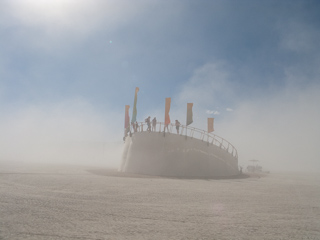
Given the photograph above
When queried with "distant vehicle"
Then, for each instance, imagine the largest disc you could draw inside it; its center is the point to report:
(255, 167)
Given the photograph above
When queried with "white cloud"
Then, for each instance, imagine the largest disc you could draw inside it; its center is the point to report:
(209, 112)
(212, 112)
(207, 84)
(229, 109)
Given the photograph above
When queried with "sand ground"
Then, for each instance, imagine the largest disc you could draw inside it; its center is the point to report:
(78, 202)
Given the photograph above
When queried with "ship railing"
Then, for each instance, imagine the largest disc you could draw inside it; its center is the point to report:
(190, 132)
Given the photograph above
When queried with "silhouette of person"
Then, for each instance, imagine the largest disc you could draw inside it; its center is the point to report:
(154, 124)
(148, 123)
(177, 126)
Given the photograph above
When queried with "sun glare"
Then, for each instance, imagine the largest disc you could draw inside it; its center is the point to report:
(43, 11)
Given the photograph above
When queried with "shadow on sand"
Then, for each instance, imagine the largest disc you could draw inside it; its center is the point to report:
(114, 173)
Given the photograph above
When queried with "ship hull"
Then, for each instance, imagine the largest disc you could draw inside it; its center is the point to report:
(173, 155)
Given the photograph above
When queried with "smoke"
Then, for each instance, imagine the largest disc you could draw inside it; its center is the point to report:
(72, 131)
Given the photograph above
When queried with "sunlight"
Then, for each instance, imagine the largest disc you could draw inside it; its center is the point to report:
(69, 15)
(37, 11)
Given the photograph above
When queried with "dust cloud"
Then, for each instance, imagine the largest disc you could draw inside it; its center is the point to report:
(279, 130)
(69, 132)
(276, 125)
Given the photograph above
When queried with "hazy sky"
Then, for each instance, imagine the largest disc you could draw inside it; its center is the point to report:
(68, 68)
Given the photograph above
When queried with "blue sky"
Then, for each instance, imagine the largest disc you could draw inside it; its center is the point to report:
(68, 68)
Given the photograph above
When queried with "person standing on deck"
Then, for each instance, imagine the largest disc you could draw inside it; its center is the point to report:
(154, 124)
(148, 123)
(177, 126)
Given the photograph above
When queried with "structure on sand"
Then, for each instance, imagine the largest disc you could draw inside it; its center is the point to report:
(193, 153)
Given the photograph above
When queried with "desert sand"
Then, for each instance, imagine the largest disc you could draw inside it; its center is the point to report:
(39, 201)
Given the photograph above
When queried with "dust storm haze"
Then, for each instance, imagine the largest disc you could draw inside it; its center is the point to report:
(278, 129)
(68, 68)
(277, 126)
(70, 132)
(281, 130)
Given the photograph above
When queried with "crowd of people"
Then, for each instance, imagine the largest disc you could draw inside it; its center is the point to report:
(151, 125)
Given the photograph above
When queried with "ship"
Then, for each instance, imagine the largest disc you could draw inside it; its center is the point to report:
(189, 153)
(174, 150)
